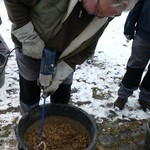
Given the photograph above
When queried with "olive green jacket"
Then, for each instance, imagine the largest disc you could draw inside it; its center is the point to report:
(48, 17)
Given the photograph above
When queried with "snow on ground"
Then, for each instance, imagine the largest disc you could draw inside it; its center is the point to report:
(95, 82)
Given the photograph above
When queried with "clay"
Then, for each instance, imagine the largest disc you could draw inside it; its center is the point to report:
(59, 133)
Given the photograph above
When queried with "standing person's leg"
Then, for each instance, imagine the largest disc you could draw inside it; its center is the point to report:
(144, 96)
(28, 74)
(3, 46)
(4, 50)
(63, 93)
(135, 67)
(29, 94)
(147, 137)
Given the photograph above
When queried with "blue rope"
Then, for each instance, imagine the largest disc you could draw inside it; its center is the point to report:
(42, 121)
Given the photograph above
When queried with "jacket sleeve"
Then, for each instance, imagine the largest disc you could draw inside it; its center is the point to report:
(81, 57)
(18, 11)
(132, 18)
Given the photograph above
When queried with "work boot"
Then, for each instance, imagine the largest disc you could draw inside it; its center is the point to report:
(120, 103)
(145, 104)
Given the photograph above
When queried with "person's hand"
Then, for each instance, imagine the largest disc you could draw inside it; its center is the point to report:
(32, 44)
(63, 70)
(129, 37)
(44, 80)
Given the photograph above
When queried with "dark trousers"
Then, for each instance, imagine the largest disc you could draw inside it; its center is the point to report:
(136, 65)
(30, 92)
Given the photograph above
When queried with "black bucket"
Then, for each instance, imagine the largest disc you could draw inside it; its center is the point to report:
(64, 110)
(2, 69)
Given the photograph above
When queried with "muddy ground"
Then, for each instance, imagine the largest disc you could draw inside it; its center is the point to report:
(118, 135)
(122, 135)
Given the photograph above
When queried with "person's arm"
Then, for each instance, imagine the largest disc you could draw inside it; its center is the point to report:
(132, 18)
(65, 67)
(18, 11)
(23, 29)
(81, 57)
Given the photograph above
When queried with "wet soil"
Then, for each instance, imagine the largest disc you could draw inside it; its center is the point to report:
(122, 135)
(59, 133)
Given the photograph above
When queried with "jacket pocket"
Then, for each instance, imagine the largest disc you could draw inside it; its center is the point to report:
(47, 17)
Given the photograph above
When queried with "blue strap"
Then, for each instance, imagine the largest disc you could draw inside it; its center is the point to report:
(42, 120)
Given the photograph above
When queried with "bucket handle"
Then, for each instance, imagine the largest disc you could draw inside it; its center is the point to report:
(7, 56)
(40, 145)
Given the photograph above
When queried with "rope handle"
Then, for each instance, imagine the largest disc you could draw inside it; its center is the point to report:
(39, 147)
(7, 56)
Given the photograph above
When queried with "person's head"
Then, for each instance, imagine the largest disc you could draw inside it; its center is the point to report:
(105, 8)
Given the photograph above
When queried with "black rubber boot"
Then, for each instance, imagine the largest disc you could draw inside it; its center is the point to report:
(146, 80)
(120, 103)
(144, 104)
(29, 91)
(62, 94)
(132, 77)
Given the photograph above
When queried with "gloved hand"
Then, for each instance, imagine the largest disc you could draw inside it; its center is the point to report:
(44, 80)
(63, 70)
(32, 44)
(47, 67)
(129, 37)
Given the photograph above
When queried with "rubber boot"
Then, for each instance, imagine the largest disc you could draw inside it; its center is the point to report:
(120, 103)
(62, 94)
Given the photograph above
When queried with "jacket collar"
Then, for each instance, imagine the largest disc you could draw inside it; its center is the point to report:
(71, 5)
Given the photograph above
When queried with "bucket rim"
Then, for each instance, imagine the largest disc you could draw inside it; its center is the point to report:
(94, 137)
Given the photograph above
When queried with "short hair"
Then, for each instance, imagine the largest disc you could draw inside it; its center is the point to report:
(124, 5)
